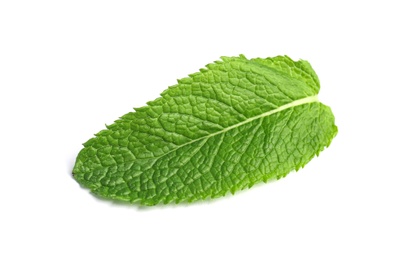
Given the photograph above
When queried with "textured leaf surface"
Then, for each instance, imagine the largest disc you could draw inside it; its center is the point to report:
(234, 124)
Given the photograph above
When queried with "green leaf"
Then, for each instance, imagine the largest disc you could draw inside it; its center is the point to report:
(234, 124)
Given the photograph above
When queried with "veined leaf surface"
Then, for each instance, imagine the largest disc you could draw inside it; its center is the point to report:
(235, 123)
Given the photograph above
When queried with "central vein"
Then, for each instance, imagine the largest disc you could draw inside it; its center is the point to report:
(295, 103)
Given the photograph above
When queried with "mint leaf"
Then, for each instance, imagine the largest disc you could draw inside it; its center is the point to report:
(234, 124)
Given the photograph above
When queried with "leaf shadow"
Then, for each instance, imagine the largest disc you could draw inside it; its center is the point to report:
(70, 165)
(161, 206)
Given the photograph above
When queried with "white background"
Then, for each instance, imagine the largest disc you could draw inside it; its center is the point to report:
(69, 67)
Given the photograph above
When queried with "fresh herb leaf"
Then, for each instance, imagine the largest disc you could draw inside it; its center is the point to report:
(234, 124)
